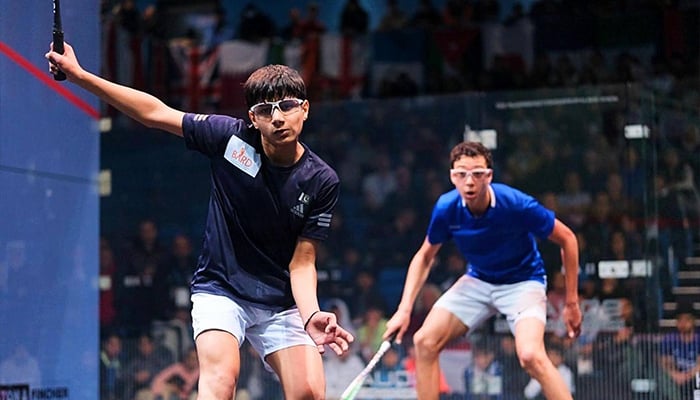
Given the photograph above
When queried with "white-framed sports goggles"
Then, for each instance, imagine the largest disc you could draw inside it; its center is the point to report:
(266, 108)
(476, 173)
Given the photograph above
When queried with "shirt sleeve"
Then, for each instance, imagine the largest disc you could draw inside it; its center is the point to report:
(209, 133)
(537, 219)
(319, 222)
(438, 231)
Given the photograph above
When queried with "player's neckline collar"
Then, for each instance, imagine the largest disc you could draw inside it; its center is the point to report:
(492, 204)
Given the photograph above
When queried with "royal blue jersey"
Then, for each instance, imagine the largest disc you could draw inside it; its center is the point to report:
(257, 212)
(500, 246)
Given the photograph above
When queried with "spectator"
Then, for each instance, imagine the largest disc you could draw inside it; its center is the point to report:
(137, 280)
(457, 13)
(178, 381)
(145, 250)
(140, 370)
(487, 11)
(610, 288)
(221, 30)
(426, 16)
(370, 331)
(634, 240)
(293, 30)
(674, 237)
(484, 377)
(451, 269)
(351, 261)
(378, 184)
(107, 282)
(574, 200)
(254, 25)
(128, 16)
(398, 233)
(680, 358)
(175, 274)
(111, 372)
(365, 295)
(599, 224)
(404, 194)
(394, 18)
(618, 356)
(388, 371)
(619, 200)
(354, 20)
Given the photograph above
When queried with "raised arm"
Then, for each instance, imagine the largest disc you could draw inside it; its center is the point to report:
(143, 107)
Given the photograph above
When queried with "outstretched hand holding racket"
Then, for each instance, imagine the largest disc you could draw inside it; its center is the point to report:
(65, 64)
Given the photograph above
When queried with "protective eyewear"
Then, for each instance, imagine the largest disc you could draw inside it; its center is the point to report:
(476, 173)
(286, 106)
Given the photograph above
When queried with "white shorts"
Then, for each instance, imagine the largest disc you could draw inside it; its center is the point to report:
(267, 331)
(473, 301)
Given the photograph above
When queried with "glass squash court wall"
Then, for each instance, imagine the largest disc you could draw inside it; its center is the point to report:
(49, 209)
(601, 157)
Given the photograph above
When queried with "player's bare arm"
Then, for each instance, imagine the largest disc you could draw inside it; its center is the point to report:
(566, 239)
(418, 271)
(322, 326)
(142, 107)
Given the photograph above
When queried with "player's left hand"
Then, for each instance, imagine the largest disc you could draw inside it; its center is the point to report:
(572, 319)
(324, 330)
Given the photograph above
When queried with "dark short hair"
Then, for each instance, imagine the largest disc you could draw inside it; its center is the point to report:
(273, 82)
(470, 149)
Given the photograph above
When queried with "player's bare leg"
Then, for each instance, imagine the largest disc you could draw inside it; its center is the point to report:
(219, 365)
(300, 369)
(529, 344)
(439, 327)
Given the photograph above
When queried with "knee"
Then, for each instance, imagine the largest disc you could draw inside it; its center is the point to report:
(307, 390)
(427, 345)
(533, 361)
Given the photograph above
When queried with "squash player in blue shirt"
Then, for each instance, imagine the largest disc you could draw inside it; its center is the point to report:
(495, 228)
(272, 201)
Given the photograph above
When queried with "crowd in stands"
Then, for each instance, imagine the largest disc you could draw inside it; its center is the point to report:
(623, 203)
(564, 44)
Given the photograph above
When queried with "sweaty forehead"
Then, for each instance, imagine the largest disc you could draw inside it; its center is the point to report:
(468, 162)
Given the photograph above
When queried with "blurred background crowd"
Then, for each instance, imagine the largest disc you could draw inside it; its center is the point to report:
(590, 106)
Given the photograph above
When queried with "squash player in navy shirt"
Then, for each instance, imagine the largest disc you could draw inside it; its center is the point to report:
(495, 228)
(272, 201)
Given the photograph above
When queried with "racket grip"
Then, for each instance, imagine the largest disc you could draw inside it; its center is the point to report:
(58, 48)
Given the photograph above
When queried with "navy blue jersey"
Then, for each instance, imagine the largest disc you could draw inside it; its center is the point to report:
(257, 212)
(499, 246)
